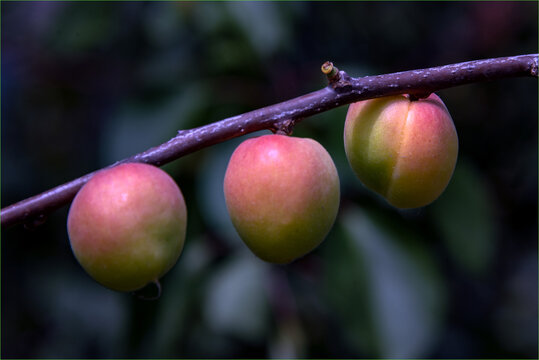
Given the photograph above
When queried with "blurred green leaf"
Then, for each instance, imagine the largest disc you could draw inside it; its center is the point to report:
(236, 301)
(465, 219)
(181, 289)
(289, 341)
(262, 23)
(80, 29)
(163, 23)
(77, 312)
(387, 293)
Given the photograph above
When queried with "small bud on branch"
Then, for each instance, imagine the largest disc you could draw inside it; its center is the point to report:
(342, 90)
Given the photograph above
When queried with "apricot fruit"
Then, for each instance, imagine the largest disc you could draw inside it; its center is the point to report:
(404, 150)
(282, 194)
(127, 225)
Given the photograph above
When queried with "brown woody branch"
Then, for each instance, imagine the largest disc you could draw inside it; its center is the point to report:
(342, 90)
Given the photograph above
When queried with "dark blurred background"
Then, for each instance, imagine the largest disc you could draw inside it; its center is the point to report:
(86, 84)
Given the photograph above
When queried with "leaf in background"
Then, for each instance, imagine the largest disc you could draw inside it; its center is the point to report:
(138, 127)
(516, 318)
(387, 294)
(79, 315)
(181, 289)
(262, 24)
(80, 29)
(163, 24)
(235, 302)
(289, 342)
(465, 219)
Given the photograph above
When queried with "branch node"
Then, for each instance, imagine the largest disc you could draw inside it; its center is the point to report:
(283, 127)
(343, 84)
(183, 132)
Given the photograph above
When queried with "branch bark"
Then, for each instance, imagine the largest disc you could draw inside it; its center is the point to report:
(341, 90)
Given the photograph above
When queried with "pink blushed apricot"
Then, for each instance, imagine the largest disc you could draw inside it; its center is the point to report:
(282, 194)
(127, 225)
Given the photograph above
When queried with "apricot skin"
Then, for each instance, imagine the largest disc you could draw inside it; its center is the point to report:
(127, 225)
(404, 150)
(282, 194)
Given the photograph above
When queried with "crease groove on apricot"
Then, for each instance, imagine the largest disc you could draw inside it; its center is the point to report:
(390, 185)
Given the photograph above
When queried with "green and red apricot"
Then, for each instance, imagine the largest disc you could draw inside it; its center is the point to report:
(402, 149)
(127, 225)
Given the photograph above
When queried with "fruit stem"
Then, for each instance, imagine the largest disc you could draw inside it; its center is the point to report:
(284, 127)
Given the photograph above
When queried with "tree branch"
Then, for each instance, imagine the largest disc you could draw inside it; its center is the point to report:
(342, 90)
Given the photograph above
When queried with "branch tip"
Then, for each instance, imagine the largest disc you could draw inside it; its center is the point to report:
(331, 71)
(327, 67)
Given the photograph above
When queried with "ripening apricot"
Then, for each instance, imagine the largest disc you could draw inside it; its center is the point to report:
(282, 194)
(127, 225)
(404, 150)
